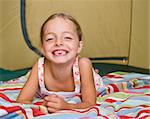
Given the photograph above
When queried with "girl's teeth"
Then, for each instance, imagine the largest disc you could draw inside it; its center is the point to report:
(59, 52)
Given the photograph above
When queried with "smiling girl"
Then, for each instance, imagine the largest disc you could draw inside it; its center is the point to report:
(62, 78)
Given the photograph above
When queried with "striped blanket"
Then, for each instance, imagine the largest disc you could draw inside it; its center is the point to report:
(124, 96)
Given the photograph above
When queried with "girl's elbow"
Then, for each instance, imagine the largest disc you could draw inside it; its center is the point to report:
(91, 103)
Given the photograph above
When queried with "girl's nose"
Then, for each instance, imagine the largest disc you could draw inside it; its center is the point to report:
(59, 42)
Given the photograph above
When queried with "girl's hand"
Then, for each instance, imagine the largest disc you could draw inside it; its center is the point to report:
(55, 103)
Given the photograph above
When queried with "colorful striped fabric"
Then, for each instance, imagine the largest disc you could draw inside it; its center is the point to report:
(125, 96)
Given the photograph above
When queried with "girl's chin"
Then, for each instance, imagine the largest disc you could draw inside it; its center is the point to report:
(59, 62)
(62, 60)
(59, 59)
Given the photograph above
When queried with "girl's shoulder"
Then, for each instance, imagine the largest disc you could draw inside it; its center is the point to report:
(85, 64)
(84, 61)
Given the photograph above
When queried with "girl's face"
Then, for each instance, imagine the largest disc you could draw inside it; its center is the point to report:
(60, 41)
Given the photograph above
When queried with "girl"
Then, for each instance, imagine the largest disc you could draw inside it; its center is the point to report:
(62, 78)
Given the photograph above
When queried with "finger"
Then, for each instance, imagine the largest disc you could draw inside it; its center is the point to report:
(53, 95)
(57, 105)
(61, 97)
(51, 104)
(51, 98)
(50, 109)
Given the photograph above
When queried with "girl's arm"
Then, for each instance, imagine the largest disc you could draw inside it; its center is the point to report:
(29, 90)
(88, 91)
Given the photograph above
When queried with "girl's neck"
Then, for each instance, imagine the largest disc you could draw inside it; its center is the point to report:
(60, 71)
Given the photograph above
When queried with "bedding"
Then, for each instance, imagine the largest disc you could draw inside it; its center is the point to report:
(124, 96)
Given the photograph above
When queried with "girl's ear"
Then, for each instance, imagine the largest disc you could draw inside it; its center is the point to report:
(80, 46)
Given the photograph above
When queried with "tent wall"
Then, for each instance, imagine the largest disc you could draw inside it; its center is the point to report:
(111, 28)
(140, 41)
(14, 53)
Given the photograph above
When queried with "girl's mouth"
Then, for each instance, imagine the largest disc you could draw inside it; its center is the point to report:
(59, 52)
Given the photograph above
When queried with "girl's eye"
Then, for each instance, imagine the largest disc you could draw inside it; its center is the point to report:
(68, 38)
(49, 39)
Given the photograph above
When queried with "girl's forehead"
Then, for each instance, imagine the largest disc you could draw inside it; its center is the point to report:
(58, 24)
(61, 21)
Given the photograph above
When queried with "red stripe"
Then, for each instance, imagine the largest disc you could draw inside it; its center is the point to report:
(85, 110)
(5, 97)
(110, 100)
(113, 76)
(97, 104)
(126, 117)
(143, 111)
(98, 112)
(145, 117)
(38, 103)
(10, 89)
(14, 109)
(114, 87)
(125, 107)
(37, 112)
(143, 87)
(94, 107)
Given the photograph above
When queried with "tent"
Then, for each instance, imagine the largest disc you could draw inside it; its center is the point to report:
(111, 28)
(115, 33)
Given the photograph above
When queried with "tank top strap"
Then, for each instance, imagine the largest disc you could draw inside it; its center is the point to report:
(76, 75)
(41, 72)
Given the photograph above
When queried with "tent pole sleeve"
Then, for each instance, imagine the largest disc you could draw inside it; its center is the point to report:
(24, 29)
